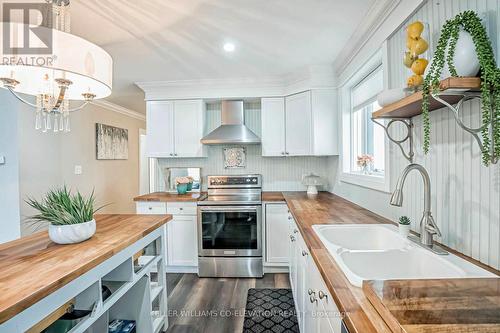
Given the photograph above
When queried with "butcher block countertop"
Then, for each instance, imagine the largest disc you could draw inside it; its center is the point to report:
(454, 305)
(361, 316)
(172, 197)
(33, 267)
(273, 197)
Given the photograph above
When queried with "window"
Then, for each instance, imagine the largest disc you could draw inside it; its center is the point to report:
(362, 138)
(367, 138)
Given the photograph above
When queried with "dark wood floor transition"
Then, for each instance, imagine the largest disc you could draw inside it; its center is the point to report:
(212, 305)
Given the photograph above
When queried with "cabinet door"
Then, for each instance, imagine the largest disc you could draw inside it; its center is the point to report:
(182, 241)
(273, 126)
(292, 240)
(188, 126)
(160, 129)
(277, 248)
(327, 316)
(302, 283)
(298, 124)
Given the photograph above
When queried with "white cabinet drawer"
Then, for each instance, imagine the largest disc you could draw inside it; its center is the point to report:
(182, 208)
(151, 207)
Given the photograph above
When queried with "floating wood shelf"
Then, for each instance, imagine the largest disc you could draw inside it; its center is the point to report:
(411, 106)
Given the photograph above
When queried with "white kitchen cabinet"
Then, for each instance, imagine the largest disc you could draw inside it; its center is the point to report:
(303, 124)
(160, 128)
(316, 309)
(181, 233)
(298, 124)
(277, 247)
(182, 242)
(175, 128)
(273, 126)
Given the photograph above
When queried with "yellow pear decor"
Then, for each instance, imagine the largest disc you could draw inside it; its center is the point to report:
(416, 46)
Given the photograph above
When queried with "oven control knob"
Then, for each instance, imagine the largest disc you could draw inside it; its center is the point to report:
(255, 180)
(248, 180)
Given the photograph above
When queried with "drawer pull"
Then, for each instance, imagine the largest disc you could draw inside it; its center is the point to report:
(304, 253)
(313, 299)
(295, 231)
(310, 292)
(322, 295)
(292, 238)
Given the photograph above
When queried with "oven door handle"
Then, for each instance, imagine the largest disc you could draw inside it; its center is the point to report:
(228, 209)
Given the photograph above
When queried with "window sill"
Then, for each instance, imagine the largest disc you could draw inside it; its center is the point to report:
(373, 182)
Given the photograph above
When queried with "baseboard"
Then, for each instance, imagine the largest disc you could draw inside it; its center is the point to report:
(182, 269)
(276, 269)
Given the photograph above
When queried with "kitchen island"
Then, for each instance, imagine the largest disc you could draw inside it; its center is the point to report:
(40, 279)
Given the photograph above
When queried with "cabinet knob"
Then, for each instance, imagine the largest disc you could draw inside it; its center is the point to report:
(282, 153)
(180, 208)
(310, 292)
(322, 295)
(171, 154)
(295, 231)
(289, 217)
(175, 154)
(150, 208)
(313, 299)
(292, 238)
(287, 153)
(304, 253)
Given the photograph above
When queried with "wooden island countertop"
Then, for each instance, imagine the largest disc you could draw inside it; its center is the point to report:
(172, 197)
(361, 316)
(34, 267)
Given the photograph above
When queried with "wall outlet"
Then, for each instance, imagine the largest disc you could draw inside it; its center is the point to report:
(78, 170)
(2, 160)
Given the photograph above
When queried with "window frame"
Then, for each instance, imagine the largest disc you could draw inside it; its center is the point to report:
(374, 181)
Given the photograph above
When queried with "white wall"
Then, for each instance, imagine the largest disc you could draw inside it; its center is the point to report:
(37, 162)
(465, 195)
(278, 173)
(9, 172)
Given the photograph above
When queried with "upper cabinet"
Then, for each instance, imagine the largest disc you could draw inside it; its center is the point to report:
(174, 128)
(303, 124)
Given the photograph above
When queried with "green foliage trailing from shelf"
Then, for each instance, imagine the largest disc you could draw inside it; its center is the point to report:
(490, 79)
(60, 207)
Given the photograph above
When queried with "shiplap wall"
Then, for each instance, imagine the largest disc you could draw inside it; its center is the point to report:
(278, 173)
(465, 194)
(466, 200)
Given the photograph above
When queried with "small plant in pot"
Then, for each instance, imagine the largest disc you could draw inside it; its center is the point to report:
(404, 226)
(70, 216)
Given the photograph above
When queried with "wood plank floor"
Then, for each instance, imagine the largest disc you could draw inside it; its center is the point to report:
(212, 305)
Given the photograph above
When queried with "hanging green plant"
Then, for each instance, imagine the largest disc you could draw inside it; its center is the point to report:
(490, 79)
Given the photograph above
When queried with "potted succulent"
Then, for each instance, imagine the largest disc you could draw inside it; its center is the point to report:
(71, 216)
(182, 184)
(404, 226)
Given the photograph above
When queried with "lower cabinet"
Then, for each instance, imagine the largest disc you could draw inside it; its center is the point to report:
(181, 233)
(276, 234)
(182, 245)
(316, 310)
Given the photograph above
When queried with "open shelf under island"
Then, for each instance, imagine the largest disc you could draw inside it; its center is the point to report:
(108, 277)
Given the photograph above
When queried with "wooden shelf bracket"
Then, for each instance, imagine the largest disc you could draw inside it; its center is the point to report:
(475, 132)
(409, 136)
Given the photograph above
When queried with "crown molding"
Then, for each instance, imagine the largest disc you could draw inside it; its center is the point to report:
(377, 15)
(310, 77)
(119, 109)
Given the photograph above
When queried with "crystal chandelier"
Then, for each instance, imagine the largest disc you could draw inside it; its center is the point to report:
(73, 69)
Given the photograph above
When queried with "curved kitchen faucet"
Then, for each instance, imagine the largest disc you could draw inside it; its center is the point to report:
(428, 227)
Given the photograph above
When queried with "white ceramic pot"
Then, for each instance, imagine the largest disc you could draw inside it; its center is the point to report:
(390, 96)
(72, 233)
(465, 58)
(404, 230)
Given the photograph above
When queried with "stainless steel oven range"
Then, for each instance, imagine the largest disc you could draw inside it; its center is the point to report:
(230, 227)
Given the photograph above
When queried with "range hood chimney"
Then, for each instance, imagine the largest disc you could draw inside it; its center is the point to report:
(233, 129)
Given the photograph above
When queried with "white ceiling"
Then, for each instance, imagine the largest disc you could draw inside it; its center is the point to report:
(168, 40)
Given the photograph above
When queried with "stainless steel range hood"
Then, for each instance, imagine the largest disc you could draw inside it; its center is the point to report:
(233, 129)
